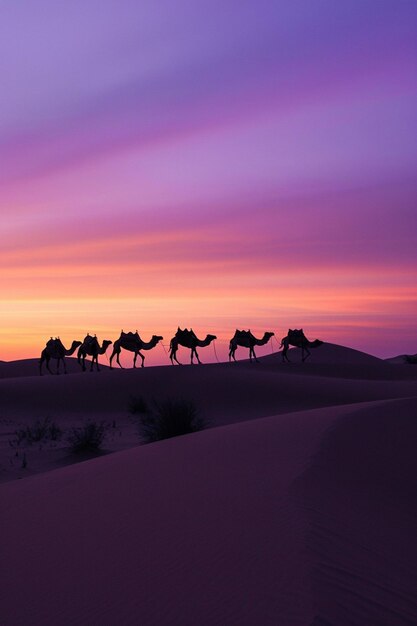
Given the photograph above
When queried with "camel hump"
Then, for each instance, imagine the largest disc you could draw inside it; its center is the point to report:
(88, 339)
(184, 333)
(54, 342)
(296, 332)
(243, 333)
(129, 335)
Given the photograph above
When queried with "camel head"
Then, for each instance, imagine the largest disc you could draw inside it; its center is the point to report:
(75, 344)
(211, 337)
(106, 344)
(316, 343)
(268, 335)
(157, 338)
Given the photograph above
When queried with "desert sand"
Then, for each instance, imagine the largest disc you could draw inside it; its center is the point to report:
(296, 506)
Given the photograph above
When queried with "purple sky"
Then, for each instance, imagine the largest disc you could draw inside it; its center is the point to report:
(214, 164)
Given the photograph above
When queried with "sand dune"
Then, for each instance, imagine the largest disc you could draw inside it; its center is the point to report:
(359, 497)
(305, 518)
(30, 367)
(225, 393)
(296, 507)
(241, 390)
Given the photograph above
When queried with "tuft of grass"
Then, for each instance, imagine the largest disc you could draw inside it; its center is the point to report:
(138, 405)
(170, 418)
(87, 438)
(39, 431)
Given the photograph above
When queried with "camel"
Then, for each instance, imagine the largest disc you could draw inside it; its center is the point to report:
(133, 343)
(55, 349)
(91, 347)
(246, 339)
(298, 339)
(188, 339)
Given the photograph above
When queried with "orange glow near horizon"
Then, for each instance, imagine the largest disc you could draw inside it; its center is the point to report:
(350, 315)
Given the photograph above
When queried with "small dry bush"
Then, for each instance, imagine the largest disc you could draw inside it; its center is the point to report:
(170, 418)
(138, 405)
(41, 430)
(87, 438)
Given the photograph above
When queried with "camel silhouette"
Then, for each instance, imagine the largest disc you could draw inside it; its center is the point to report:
(246, 339)
(133, 343)
(187, 339)
(91, 347)
(297, 338)
(55, 349)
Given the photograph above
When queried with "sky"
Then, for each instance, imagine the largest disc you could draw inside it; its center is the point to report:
(212, 164)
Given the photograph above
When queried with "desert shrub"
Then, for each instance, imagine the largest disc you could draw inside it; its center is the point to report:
(138, 405)
(41, 430)
(87, 438)
(170, 418)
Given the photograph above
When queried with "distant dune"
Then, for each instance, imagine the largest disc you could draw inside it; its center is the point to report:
(297, 506)
(30, 367)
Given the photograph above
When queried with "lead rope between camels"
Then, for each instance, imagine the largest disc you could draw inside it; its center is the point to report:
(215, 351)
(277, 342)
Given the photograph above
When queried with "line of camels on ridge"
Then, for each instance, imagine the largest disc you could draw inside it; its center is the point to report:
(132, 342)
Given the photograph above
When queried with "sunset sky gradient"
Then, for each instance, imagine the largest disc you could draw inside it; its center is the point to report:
(212, 164)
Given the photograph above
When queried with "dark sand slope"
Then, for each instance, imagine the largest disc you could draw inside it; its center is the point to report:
(30, 367)
(303, 519)
(226, 392)
(359, 496)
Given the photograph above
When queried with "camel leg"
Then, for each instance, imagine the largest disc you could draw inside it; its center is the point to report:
(143, 359)
(134, 360)
(196, 353)
(65, 366)
(80, 358)
(173, 356)
(254, 356)
(308, 354)
(47, 365)
(112, 357)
